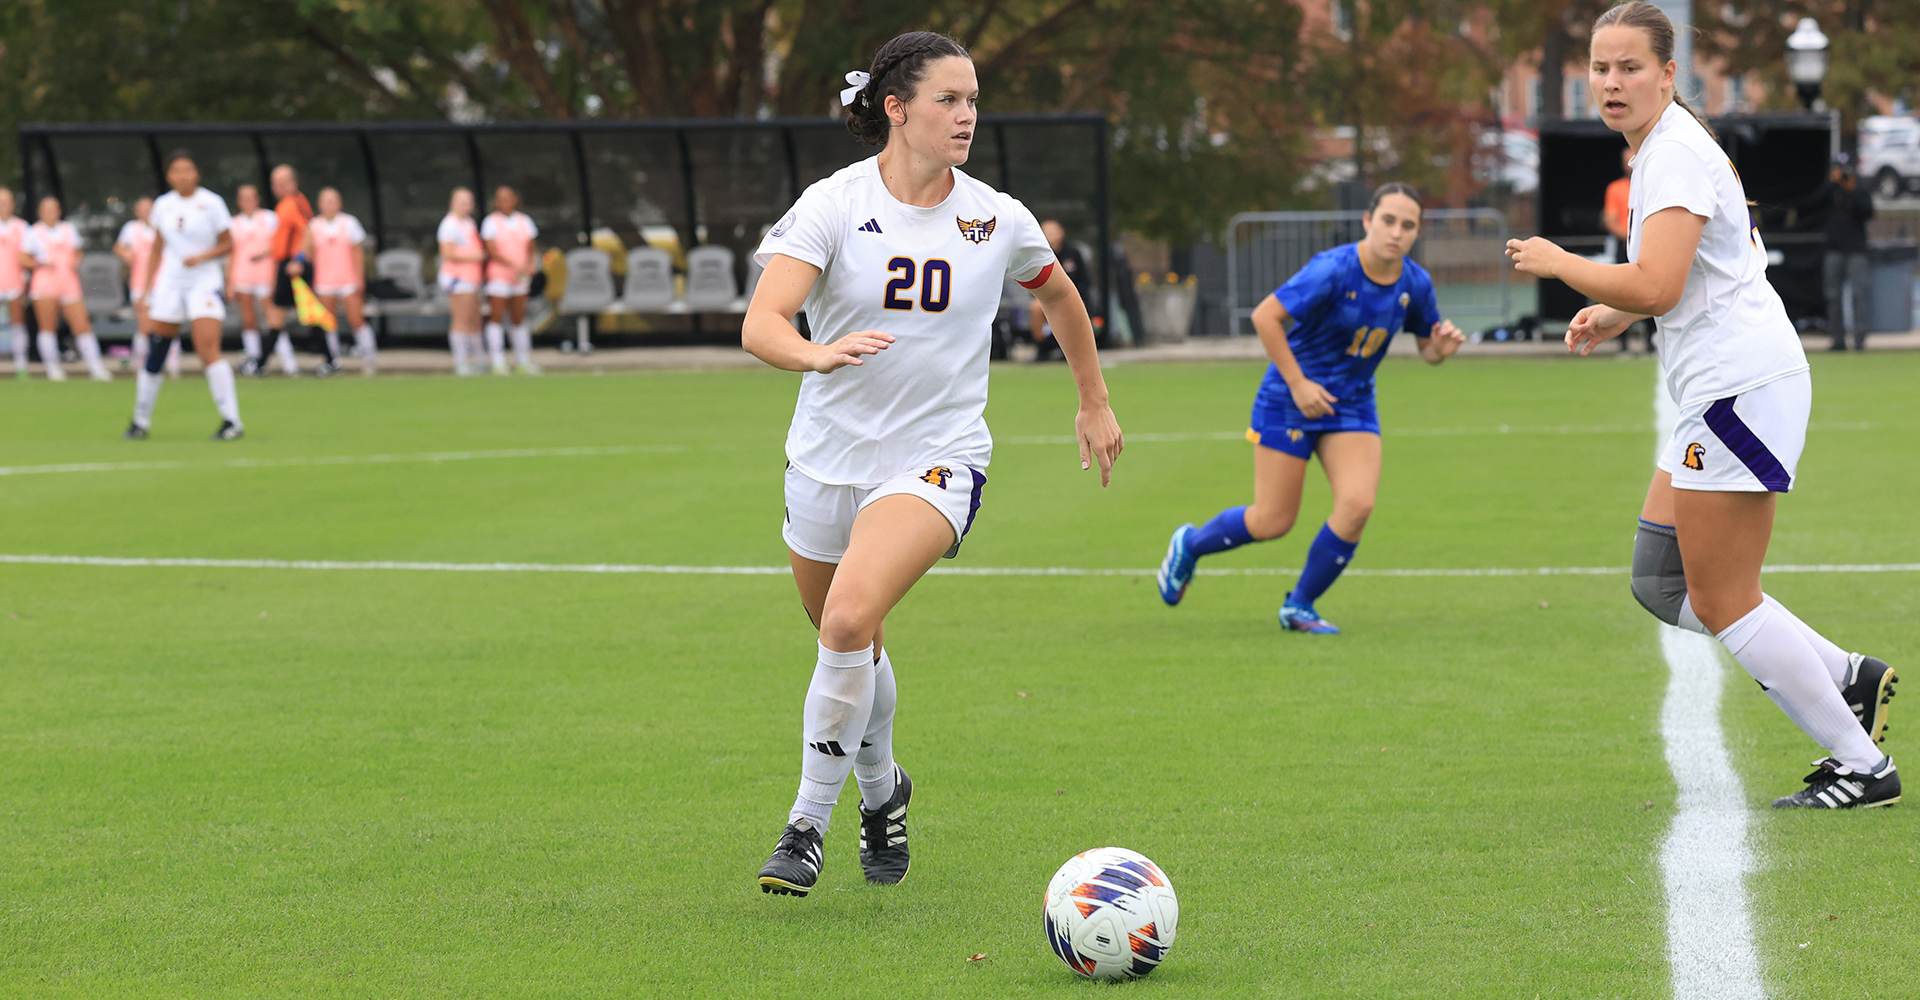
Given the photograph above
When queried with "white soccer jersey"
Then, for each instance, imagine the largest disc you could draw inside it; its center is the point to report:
(191, 226)
(931, 277)
(1729, 332)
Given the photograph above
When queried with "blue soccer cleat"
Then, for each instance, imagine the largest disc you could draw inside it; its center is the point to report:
(1176, 570)
(1295, 618)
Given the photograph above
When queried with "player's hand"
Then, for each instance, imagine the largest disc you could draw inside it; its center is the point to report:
(1445, 339)
(295, 268)
(848, 350)
(1100, 438)
(1312, 399)
(1538, 256)
(1593, 326)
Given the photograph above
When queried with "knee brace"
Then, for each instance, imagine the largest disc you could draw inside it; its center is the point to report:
(1659, 580)
(157, 352)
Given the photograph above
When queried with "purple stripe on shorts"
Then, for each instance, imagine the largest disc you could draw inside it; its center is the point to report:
(973, 503)
(1746, 446)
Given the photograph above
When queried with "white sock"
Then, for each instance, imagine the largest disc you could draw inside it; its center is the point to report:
(1835, 659)
(173, 356)
(250, 344)
(1780, 658)
(220, 386)
(475, 348)
(49, 350)
(873, 765)
(20, 350)
(333, 344)
(522, 345)
(838, 703)
(458, 342)
(283, 346)
(363, 338)
(146, 390)
(497, 346)
(90, 353)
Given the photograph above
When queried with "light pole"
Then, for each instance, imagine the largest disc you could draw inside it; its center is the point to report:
(1807, 61)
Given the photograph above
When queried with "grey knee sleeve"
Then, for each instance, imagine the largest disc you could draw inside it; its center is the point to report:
(1659, 580)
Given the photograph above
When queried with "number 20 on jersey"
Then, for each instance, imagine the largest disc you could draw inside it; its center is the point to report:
(935, 279)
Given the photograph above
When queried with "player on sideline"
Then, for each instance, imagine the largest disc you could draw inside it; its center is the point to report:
(250, 279)
(1326, 330)
(899, 262)
(54, 247)
(193, 231)
(1735, 367)
(13, 282)
(336, 245)
(461, 254)
(509, 236)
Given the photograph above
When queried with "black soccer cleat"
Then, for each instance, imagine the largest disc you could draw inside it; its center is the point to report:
(229, 431)
(883, 834)
(134, 432)
(1869, 688)
(795, 864)
(1834, 785)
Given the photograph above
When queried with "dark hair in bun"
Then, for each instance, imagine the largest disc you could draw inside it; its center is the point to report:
(897, 70)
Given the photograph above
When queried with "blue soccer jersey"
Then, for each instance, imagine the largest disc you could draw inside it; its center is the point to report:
(1343, 321)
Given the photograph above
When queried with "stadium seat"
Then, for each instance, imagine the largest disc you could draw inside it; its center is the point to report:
(101, 287)
(404, 268)
(589, 291)
(649, 280)
(710, 283)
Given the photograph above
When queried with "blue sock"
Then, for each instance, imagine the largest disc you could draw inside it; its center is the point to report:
(1325, 559)
(1227, 530)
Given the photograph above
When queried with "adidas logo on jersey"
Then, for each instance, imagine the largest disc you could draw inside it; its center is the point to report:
(872, 226)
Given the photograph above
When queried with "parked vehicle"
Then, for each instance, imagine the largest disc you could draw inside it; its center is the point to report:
(1890, 154)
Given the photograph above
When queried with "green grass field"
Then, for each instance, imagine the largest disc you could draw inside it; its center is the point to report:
(222, 782)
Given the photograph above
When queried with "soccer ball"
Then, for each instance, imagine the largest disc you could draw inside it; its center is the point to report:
(1110, 914)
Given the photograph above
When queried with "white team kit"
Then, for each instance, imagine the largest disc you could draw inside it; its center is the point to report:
(911, 418)
(1732, 359)
(190, 226)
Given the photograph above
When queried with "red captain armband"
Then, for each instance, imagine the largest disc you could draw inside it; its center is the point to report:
(1039, 279)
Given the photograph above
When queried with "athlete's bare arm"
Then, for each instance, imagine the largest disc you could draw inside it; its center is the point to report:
(1595, 325)
(1650, 286)
(1440, 342)
(768, 332)
(1271, 321)
(1095, 427)
(221, 247)
(153, 258)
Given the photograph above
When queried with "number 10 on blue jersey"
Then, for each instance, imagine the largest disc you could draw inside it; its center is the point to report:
(935, 281)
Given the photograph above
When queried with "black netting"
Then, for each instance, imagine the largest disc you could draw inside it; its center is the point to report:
(323, 160)
(637, 181)
(540, 166)
(417, 172)
(100, 177)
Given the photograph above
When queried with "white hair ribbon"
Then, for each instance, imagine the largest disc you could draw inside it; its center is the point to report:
(859, 79)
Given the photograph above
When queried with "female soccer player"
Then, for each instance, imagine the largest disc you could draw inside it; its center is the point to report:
(898, 261)
(509, 237)
(193, 231)
(250, 280)
(54, 247)
(336, 245)
(13, 282)
(1326, 330)
(134, 247)
(461, 254)
(1734, 365)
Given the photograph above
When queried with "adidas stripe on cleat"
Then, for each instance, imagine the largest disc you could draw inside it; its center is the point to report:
(883, 834)
(1834, 785)
(1868, 690)
(1176, 570)
(795, 864)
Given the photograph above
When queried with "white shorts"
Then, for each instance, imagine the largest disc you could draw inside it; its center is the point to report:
(9, 294)
(508, 289)
(1749, 443)
(820, 517)
(260, 291)
(202, 299)
(330, 291)
(456, 286)
(139, 296)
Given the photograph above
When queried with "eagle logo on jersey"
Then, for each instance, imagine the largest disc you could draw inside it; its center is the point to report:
(975, 230)
(1404, 299)
(938, 476)
(1693, 459)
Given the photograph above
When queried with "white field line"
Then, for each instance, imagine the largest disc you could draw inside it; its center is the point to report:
(1706, 857)
(191, 562)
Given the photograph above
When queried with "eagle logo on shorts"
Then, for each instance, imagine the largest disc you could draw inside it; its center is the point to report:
(938, 476)
(1294, 434)
(975, 230)
(1693, 460)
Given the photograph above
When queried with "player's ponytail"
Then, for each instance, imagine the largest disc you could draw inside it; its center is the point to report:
(1653, 21)
(897, 70)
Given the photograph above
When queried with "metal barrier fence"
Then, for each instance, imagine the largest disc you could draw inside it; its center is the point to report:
(1463, 249)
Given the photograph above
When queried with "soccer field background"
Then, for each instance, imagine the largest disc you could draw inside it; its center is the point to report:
(253, 782)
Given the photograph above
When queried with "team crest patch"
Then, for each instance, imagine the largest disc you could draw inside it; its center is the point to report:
(1694, 455)
(1404, 299)
(938, 476)
(975, 230)
(780, 228)
(1294, 434)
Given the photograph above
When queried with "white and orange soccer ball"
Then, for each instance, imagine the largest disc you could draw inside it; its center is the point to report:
(1111, 914)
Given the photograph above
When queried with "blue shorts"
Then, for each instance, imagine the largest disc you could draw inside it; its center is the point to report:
(1284, 430)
